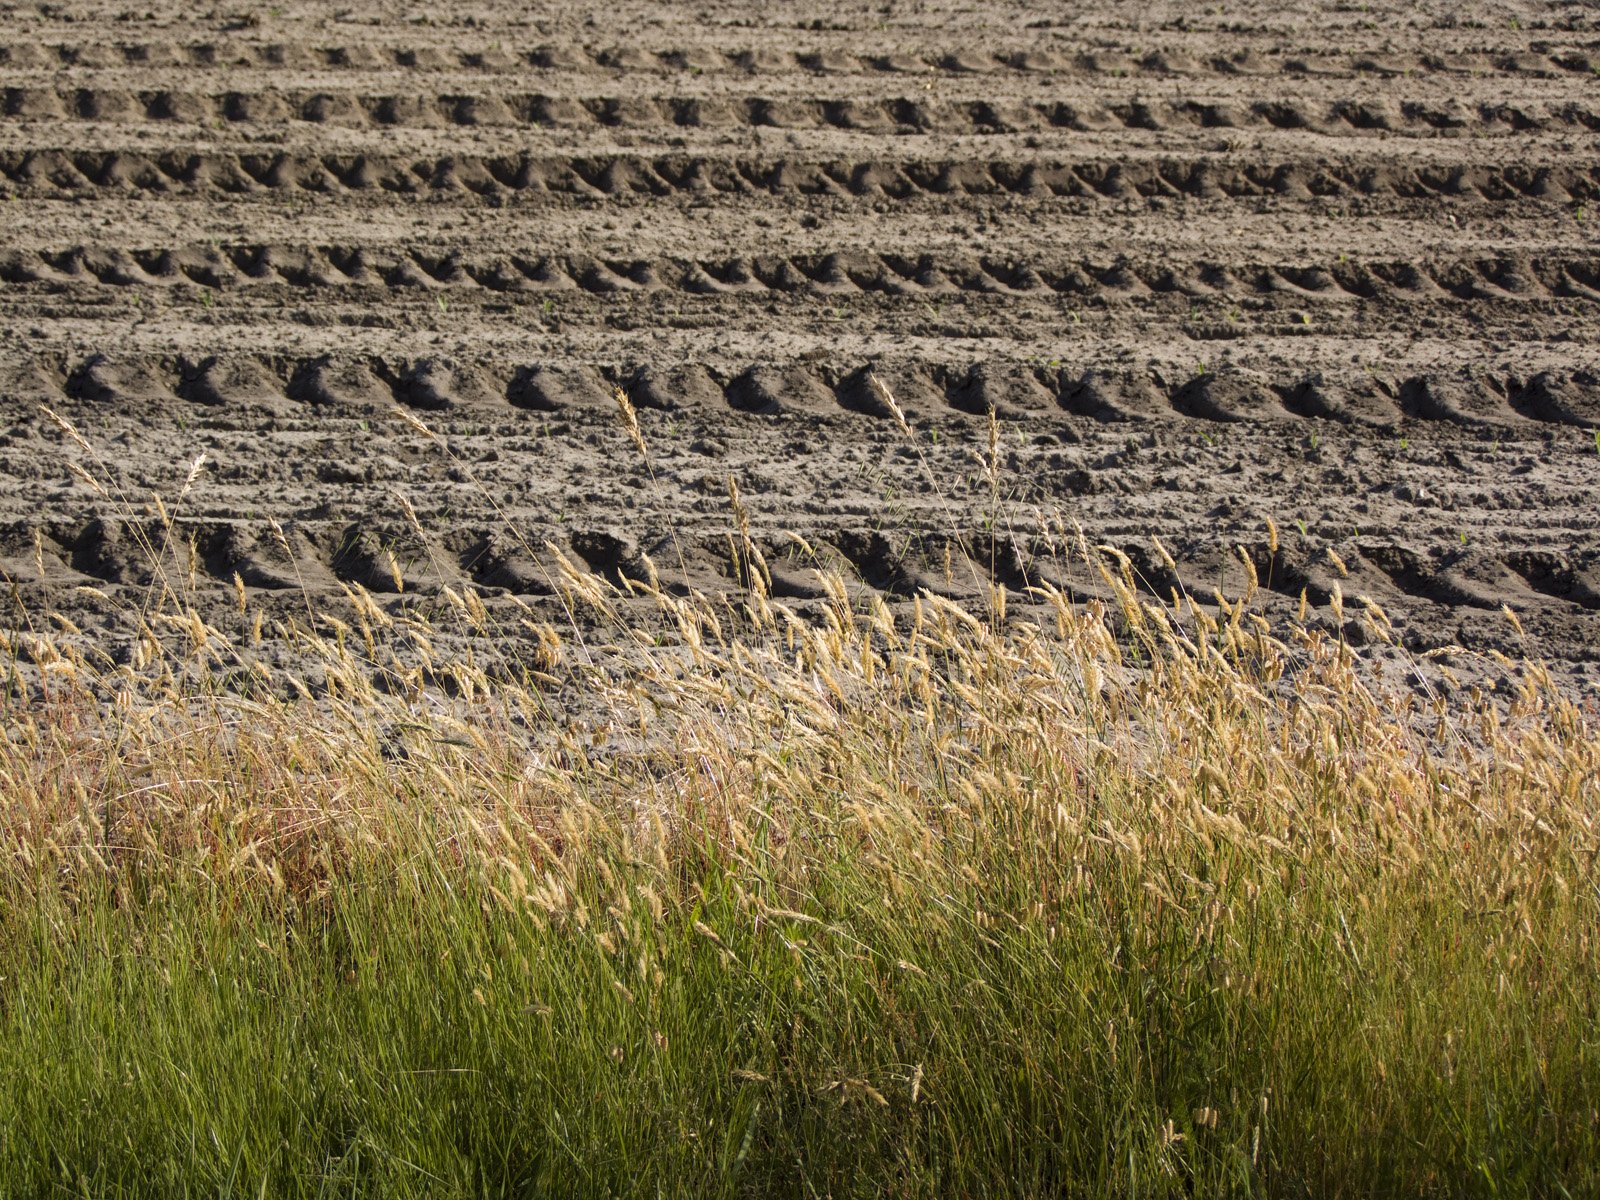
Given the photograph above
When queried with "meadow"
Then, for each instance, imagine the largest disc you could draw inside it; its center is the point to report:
(1144, 897)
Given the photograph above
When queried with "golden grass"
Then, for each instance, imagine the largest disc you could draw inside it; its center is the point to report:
(1125, 877)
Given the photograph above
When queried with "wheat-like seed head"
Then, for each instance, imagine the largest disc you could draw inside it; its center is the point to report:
(67, 427)
(410, 418)
(1516, 622)
(741, 516)
(411, 516)
(630, 420)
(194, 473)
(279, 536)
(1250, 573)
(88, 480)
(883, 393)
(1162, 553)
(393, 566)
(1376, 619)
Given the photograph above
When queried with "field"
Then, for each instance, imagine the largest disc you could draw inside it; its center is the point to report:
(1336, 270)
(902, 598)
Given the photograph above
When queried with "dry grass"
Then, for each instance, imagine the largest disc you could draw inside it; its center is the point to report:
(719, 900)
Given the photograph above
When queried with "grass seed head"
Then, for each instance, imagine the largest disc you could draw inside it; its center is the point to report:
(630, 420)
(881, 390)
(407, 417)
(194, 474)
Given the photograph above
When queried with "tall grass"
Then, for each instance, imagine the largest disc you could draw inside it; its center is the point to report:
(1137, 899)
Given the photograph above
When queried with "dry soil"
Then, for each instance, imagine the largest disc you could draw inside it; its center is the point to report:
(1330, 264)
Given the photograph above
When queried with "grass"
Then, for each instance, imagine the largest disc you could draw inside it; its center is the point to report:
(1127, 898)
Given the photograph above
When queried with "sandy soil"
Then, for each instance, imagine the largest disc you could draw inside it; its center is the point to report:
(1330, 264)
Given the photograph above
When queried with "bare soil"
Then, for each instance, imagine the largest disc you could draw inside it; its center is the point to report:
(1330, 264)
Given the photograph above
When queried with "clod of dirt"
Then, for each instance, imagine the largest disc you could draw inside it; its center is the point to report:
(103, 381)
(914, 390)
(675, 388)
(1010, 389)
(1573, 400)
(1232, 397)
(1346, 403)
(436, 385)
(547, 388)
(502, 560)
(348, 384)
(236, 382)
(1108, 396)
(775, 391)
(30, 380)
(1464, 402)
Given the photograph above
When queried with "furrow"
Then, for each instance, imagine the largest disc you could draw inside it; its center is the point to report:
(314, 268)
(65, 172)
(1578, 59)
(317, 558)
(888, 115)
(325, 385)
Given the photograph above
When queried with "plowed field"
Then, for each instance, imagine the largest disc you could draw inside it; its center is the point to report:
(1327, 264)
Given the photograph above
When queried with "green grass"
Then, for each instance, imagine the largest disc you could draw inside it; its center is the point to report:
(411, 1038)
